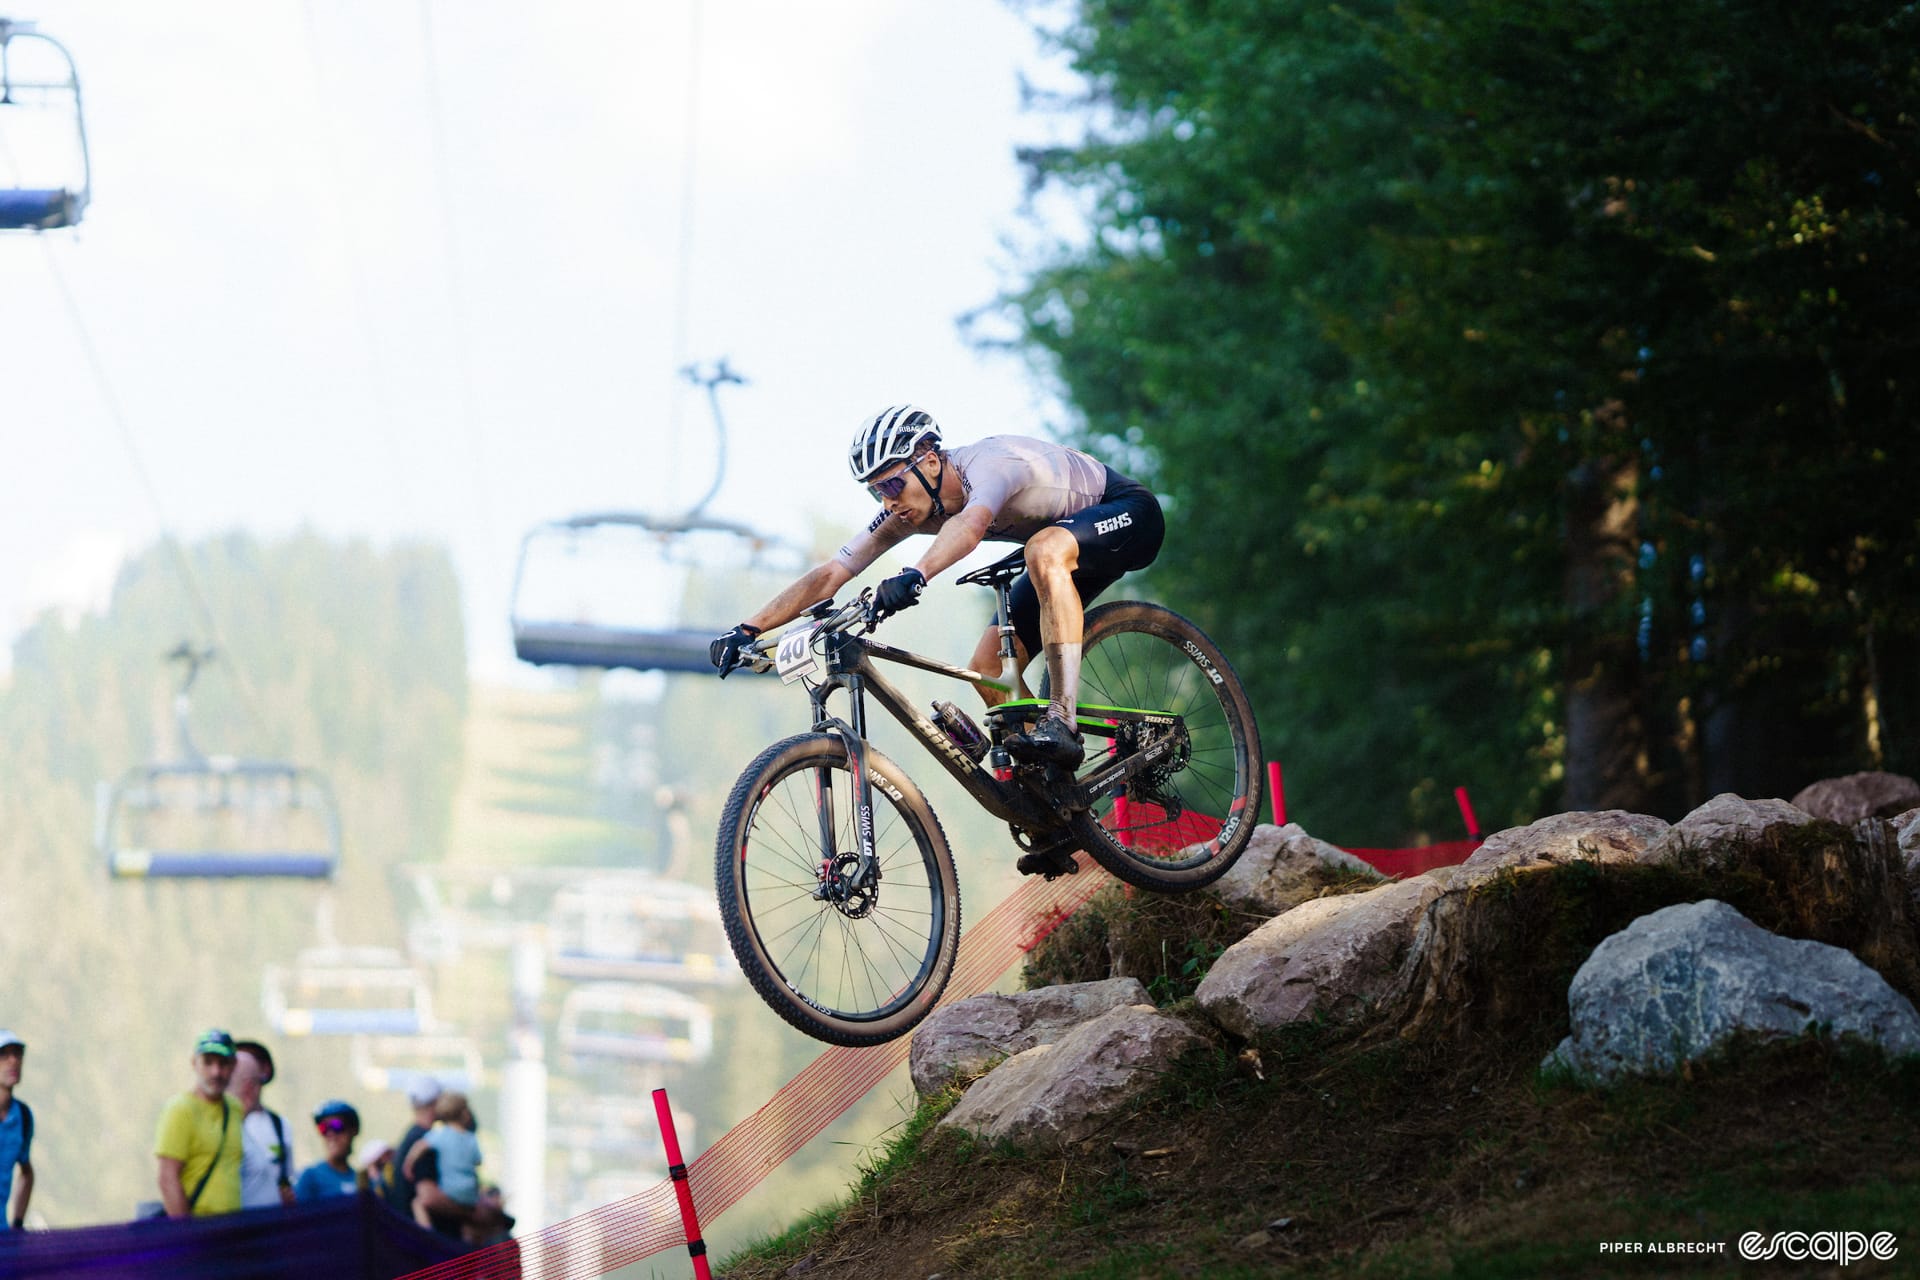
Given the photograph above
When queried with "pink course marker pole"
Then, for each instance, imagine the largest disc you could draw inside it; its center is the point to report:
(1279, 794)
(696, 1247)
(1466, 814)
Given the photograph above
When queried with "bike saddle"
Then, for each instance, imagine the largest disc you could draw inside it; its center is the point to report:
(1005, 569)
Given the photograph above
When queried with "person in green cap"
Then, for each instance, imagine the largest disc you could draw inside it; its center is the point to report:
(197, 1141)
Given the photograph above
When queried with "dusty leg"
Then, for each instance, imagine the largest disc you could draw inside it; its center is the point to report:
(1052, 556)
(986, 660)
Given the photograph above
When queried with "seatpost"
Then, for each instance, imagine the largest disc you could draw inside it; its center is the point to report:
(1009, 663)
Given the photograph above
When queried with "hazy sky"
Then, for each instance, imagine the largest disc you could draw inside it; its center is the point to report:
(418, 269)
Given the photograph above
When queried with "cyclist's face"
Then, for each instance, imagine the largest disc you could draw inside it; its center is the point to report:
(901, 494)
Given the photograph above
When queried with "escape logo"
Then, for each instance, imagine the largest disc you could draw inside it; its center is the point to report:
(1818, 1246)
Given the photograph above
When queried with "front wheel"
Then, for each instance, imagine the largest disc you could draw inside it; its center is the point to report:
(1181, 825)
(845, 962)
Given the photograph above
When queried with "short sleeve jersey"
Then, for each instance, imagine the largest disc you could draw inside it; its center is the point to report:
(261, 1162)
(459, 1152)
(189, 1131)
(1027, 484)
(321, 1181)
(15, 1149)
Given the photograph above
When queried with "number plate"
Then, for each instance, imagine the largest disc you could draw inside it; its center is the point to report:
(795, 657)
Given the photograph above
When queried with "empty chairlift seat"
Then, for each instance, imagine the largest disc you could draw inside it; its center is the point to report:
(638, 928)
(634, 1021)
(47, 181)
(340, 991)
(629, 590)
(395, 1063)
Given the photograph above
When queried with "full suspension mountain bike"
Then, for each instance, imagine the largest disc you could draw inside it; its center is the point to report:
(835, 881)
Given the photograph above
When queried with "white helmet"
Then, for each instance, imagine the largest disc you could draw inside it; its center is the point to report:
(893, 435)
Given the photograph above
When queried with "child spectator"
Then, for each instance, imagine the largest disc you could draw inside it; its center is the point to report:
(456, 1149)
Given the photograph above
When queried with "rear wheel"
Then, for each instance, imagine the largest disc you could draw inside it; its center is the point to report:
(1181, 825)
(850, 965)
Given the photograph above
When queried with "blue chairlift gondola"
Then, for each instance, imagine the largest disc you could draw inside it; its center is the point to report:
(55, 177)
(212, 816)
(619, 588)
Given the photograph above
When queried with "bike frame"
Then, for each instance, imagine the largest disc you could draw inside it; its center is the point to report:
(1038, 802)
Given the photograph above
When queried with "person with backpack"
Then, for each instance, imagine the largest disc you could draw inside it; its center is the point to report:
(16, 1135)
(266, 1161)
(197, 1141)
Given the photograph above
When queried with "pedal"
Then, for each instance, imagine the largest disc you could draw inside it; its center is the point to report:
(1051, 863)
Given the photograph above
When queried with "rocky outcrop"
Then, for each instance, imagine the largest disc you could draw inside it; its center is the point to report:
(1606, 835)
(1054, 1095)
(1721, 825)
(1333, 956)
(969, 1036)
(1859, 795)
(1684, 980)
(1283, 866)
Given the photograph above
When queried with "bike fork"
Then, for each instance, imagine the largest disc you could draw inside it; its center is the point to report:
(865, 869)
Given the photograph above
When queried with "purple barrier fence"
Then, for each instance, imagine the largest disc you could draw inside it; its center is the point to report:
(344, 1238)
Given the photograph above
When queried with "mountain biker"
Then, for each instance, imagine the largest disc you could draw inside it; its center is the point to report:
(1084, 525)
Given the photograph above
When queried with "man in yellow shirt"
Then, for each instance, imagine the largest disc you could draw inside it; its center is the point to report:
(198, 1139)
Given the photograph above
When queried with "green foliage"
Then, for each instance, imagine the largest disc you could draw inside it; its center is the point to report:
(1503, 369)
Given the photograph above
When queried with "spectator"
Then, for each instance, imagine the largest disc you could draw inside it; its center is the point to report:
(16, 1134)
(423, 1094)
(452, 1139)
(339, 1125)
(266, 1161)
(197, 1141)
(376, 1166)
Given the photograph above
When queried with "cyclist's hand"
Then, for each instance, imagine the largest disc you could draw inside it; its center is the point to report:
(901, 591)
(725, 650)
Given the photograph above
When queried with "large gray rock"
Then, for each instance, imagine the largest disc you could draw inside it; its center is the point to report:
(1054, 1095)
(1682, 980)
(1859, 795)
(1606, 835)
(969, 1036)
(1330, 955)
(1721, 823)
(1282, 866)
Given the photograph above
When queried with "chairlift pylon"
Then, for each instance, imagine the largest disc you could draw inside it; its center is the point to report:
(31, 202)
(607, 589)
(206, 816)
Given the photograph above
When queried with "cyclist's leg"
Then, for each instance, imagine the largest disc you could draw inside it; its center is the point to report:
(1053, 557)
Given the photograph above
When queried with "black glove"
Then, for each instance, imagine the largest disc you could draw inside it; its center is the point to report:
(901, 591)
(725, 650)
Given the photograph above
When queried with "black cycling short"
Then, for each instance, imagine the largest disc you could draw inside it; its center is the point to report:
(1120, 533)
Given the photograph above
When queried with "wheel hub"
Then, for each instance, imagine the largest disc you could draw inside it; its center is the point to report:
(853, 901)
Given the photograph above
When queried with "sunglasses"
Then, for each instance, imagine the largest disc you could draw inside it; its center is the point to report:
(333, 1124)
(894, 486)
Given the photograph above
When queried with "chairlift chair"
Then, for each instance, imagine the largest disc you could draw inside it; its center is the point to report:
(36, 71)
(634, 1022)
(394, 1064)
(342, 991)
(610, 588)
(216, 816)
(613, 1125)
(638, 928)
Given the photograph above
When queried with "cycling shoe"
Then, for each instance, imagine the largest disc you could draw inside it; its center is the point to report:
(1052, 741)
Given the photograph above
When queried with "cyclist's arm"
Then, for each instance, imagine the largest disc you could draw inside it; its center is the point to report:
(817, 583)
(956, 540)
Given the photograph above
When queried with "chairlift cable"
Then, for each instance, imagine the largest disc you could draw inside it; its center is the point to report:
(377, 382)
(456, 297)
(184, 567)
(683, 282)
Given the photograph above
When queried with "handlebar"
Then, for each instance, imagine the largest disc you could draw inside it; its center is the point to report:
(824, 617)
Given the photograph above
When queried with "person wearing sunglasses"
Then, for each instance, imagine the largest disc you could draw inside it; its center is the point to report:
(1083, 525)
(338, 1125)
